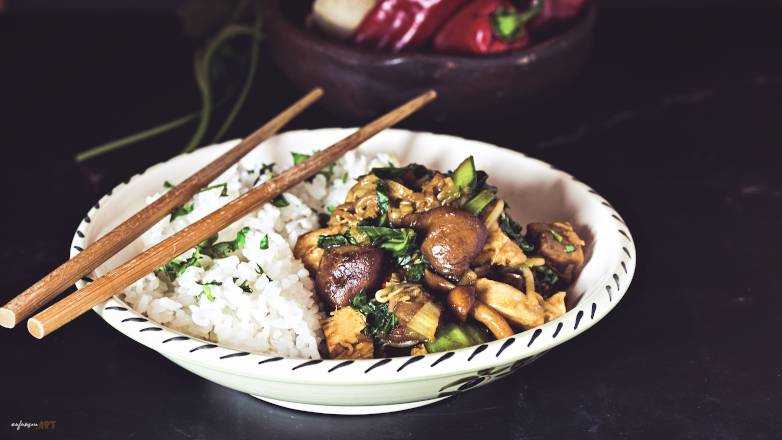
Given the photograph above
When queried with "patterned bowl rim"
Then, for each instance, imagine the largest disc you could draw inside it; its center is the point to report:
(596, 301)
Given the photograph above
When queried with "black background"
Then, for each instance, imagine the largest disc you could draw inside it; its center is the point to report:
(677, 120)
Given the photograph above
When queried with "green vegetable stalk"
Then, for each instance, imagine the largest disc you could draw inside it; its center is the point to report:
(478, 203)
(208, 63)
(464, 176)
(455, 336)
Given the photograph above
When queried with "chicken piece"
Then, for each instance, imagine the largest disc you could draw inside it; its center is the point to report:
(555, 306)
(525, 310)
(345, 271)
(559, 244)
(418, 350)
(307, 250)
(500, 250)
(345, 338)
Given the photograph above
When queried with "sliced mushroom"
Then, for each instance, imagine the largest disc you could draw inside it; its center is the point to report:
(347, 270)
(461, 301)
(437, 282)
(469, 277)
(512, 279)
(411, 176)
(492, 320)
(481, 271)
(452, 239)
(401, 337)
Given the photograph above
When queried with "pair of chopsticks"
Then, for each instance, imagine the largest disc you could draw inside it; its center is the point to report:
(69, 272)
(74, 305)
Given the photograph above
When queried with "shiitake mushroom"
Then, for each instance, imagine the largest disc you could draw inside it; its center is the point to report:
(452, 238)
(436, 282)
(345, 271)
(461, 300)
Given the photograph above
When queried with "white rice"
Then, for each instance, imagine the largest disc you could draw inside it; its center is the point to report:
(281, 315)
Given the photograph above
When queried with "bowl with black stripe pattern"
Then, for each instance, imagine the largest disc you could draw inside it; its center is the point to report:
(534, 189)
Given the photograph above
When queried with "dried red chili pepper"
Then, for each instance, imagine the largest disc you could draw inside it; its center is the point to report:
(398, 24)
(486, 26)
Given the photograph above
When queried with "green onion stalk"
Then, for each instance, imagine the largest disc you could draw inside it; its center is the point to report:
(204, 62)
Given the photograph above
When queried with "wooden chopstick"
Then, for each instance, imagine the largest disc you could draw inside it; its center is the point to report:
(69, 272)
(121, 277)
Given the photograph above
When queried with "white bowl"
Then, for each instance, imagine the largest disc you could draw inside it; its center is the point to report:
(536, 192)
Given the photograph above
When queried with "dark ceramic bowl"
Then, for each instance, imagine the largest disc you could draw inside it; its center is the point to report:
(361, 84)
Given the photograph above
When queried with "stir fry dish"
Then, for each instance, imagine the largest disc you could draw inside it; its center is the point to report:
(418, 261)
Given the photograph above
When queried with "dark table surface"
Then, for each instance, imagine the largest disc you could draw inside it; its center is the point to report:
(677, 120)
